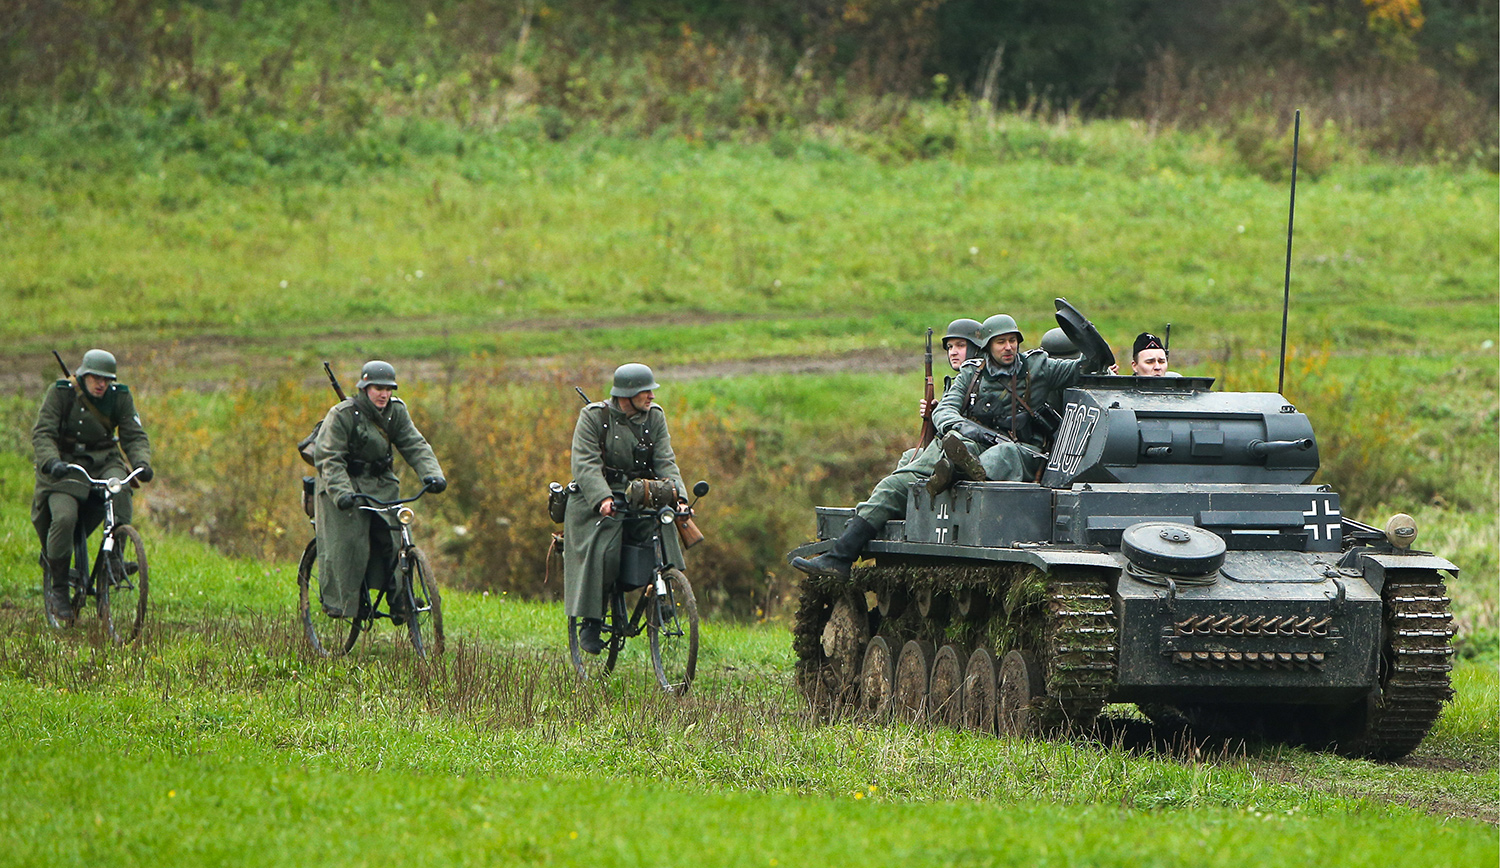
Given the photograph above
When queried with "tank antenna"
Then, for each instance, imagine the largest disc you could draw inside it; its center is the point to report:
(1286, 298)
(1166, 343)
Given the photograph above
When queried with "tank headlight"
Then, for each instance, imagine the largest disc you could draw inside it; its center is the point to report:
(1401, 530)
(405, 516)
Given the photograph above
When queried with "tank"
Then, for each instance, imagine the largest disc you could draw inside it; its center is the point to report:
(1174, 554)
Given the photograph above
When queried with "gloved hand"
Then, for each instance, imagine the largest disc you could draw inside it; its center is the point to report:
(435, 484)
(976, 432)
(55, 468)
(147, 474)
(345, 501)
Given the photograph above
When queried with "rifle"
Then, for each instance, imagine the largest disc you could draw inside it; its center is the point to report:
(929, 430)
(334, 381)
(89, 405)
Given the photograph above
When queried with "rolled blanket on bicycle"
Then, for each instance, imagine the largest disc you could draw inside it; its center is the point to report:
(609, 450)
(355, 431)
(90, 435)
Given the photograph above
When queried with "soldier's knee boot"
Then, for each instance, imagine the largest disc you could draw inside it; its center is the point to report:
(965, 465)
(837, 560)
(55, 590)
(589, 637)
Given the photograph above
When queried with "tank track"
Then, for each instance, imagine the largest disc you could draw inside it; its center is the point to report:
(1415, 666)
(1081, 635)
(1068, 615)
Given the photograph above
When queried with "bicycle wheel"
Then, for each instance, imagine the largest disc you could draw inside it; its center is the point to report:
(329, 637)
(592, 667)
(672, 624)
(425, 624)
(121, 584)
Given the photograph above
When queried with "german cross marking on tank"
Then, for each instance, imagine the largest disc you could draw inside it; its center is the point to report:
(1078, 424)
(942, 512)
(942, 534)
(1332, 524)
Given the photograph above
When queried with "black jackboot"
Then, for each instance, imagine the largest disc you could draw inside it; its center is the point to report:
(589, 637)
(56, 592)
(837, 560)
(956, 463)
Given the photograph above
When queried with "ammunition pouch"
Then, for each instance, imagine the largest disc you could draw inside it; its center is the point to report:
(305, 445)
(357, 467)
(309, 485)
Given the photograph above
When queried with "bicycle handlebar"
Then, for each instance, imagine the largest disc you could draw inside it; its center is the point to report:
(114, 484)
(386, 504)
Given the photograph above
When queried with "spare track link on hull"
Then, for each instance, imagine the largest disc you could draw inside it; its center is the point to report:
(1415, 667)
(1082, 643)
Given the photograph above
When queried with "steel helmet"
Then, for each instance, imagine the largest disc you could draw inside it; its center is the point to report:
(999, 324)
(1058, 345)
(633, 379)
(377, 373)
(965, 328)
(97, 362)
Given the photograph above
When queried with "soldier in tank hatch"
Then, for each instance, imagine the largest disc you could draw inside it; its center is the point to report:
(1148, 356)
(988, 409)
(354, 453)
(88, 420)
(614, 442)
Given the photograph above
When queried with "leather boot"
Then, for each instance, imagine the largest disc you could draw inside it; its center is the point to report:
(56, 591)
(589, 638)
(965, 465)
(942, 477)
(845, 551)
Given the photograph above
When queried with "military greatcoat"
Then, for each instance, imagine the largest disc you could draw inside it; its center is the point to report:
(604, 461)
(1003, 400)
(353, 454)
(66, 429)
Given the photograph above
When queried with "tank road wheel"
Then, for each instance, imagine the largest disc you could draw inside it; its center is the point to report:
(328, 637)
(945, 687)
(979, 701)
(1022, 688)
(1415, 661)
(876, 680)
(913, 668)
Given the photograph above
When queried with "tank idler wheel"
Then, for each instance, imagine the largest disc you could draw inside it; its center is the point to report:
(979, 699)
(1022, 690)
(971, 604)
(876, 680)
(933, 605)
(945, 687)
(843, 640)
(913, 668)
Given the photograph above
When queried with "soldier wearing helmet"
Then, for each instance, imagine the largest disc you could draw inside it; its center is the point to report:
(614, 442)
(992, 394)
(89, 420)
(354, 454)
(960, 343)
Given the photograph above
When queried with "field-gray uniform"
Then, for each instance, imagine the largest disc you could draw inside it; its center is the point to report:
(353, 453)
(74, 427)
(610, 448)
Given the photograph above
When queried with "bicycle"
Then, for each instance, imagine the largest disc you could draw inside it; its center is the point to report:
(413, 573)
(119, 586)
(665, 608)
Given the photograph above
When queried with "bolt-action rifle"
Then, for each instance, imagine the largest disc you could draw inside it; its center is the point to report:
(334, 382)
(929, 431)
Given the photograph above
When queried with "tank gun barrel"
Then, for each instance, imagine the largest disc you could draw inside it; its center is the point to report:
(1262, 448)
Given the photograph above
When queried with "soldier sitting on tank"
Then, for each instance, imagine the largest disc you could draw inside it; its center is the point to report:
(77, 424)
(960, 344)
(614, 442)
(1148, 356)
(1032, 378)
(353, 454)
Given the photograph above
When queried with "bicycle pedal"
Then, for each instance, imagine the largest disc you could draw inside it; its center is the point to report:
(131, 568)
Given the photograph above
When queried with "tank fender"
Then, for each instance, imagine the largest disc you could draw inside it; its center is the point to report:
(1377, 565)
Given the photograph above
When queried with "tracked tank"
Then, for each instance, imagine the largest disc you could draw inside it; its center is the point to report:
(1174, 554)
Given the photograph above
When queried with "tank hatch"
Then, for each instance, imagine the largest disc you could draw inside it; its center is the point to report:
(1172, 430)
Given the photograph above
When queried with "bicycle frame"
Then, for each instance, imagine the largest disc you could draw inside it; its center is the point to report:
(109, 488)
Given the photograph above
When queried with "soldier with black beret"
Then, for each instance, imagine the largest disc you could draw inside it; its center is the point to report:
(89, 420)
(1148, 356)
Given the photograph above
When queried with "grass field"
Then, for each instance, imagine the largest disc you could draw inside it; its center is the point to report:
(783, 293)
